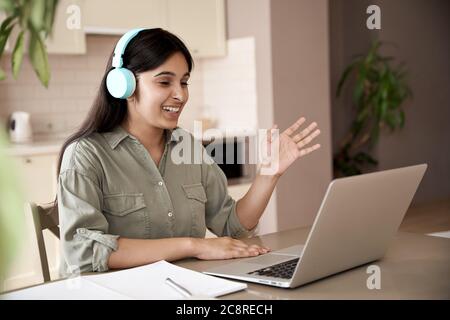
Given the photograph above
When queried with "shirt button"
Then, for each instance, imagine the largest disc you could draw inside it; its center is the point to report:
(170, 214)
(160, 183)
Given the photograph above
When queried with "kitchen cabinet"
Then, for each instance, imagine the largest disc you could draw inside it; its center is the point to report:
(68, 35)
(38, 174)
(200, 23)
(117, 17)
(38, 177)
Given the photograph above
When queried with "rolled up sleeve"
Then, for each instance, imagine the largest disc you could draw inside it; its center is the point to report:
(221, 216)
(85, 242)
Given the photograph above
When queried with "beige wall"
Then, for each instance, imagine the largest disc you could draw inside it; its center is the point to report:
(348, 36)
(300, 64)
(420, 31)
(292, 80)
(251, 18)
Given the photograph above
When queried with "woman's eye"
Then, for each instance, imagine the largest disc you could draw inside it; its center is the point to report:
(166, 83)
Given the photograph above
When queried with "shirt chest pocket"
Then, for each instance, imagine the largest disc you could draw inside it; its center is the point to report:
(126, 214)
(196, 199)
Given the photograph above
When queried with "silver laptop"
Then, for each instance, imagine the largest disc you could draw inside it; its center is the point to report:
(358, 218)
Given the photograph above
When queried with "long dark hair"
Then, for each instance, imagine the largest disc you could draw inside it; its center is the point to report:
(149, 49)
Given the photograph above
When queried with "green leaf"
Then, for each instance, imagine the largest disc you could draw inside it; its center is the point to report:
(4, 37)
(363, 157)
(7, 5)
(6, 23)
(357, 126)
(37, 17)
(391, 121)
(402, 118)
(374, 135)
(383, 108)
(2, 74)
(17, 55)
(344, 77)
(38, 58)
(50, 9)
(363, 114)
(25, 12)
(357, 93)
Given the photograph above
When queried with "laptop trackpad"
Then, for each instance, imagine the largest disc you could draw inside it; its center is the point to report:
(269, 259)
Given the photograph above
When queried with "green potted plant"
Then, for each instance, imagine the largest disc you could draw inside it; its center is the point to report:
(378, 94)
(34, 19)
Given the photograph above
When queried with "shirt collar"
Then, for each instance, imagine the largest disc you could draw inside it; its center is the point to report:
(118, 134)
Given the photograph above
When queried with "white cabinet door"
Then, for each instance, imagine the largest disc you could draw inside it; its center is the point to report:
(38, 175)
(119, 16)
(68, 35)
(201, 24)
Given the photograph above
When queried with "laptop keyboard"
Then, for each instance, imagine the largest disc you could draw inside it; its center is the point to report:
(284, 270)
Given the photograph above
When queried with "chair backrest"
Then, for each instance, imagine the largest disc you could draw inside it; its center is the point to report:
(44, 217)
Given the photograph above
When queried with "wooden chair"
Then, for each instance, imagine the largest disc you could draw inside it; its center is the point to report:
(44, 217)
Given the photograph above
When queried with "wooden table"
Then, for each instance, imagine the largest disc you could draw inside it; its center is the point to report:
(415, 267)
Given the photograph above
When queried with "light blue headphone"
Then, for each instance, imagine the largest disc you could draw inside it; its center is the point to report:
(121, 82)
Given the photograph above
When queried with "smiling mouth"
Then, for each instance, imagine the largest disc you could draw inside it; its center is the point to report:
(171, 109)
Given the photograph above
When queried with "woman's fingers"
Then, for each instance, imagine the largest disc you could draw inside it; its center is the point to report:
(295, 126)
(239, 244)
(300, 136)
(241, 249)
(305, 151)
(308, 139)
(258, 249)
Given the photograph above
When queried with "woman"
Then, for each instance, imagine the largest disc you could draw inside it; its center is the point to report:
(122, 200)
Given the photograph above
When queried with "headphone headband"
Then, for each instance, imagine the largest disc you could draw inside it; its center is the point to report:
(117, 60)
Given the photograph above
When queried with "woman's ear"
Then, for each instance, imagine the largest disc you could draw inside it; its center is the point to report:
(131, 99)
(134, 97)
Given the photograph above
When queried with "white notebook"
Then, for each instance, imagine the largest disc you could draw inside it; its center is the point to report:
(70, 289)
(146, 282)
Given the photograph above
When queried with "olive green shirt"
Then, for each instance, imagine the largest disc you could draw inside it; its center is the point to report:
(110, 187)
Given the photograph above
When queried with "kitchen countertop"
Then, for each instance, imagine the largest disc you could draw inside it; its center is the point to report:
(36, 147)
(52, 145)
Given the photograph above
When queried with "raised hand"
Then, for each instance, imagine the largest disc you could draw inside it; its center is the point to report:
(291, 146)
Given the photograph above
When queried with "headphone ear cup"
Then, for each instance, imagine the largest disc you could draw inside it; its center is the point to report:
(120, 83)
